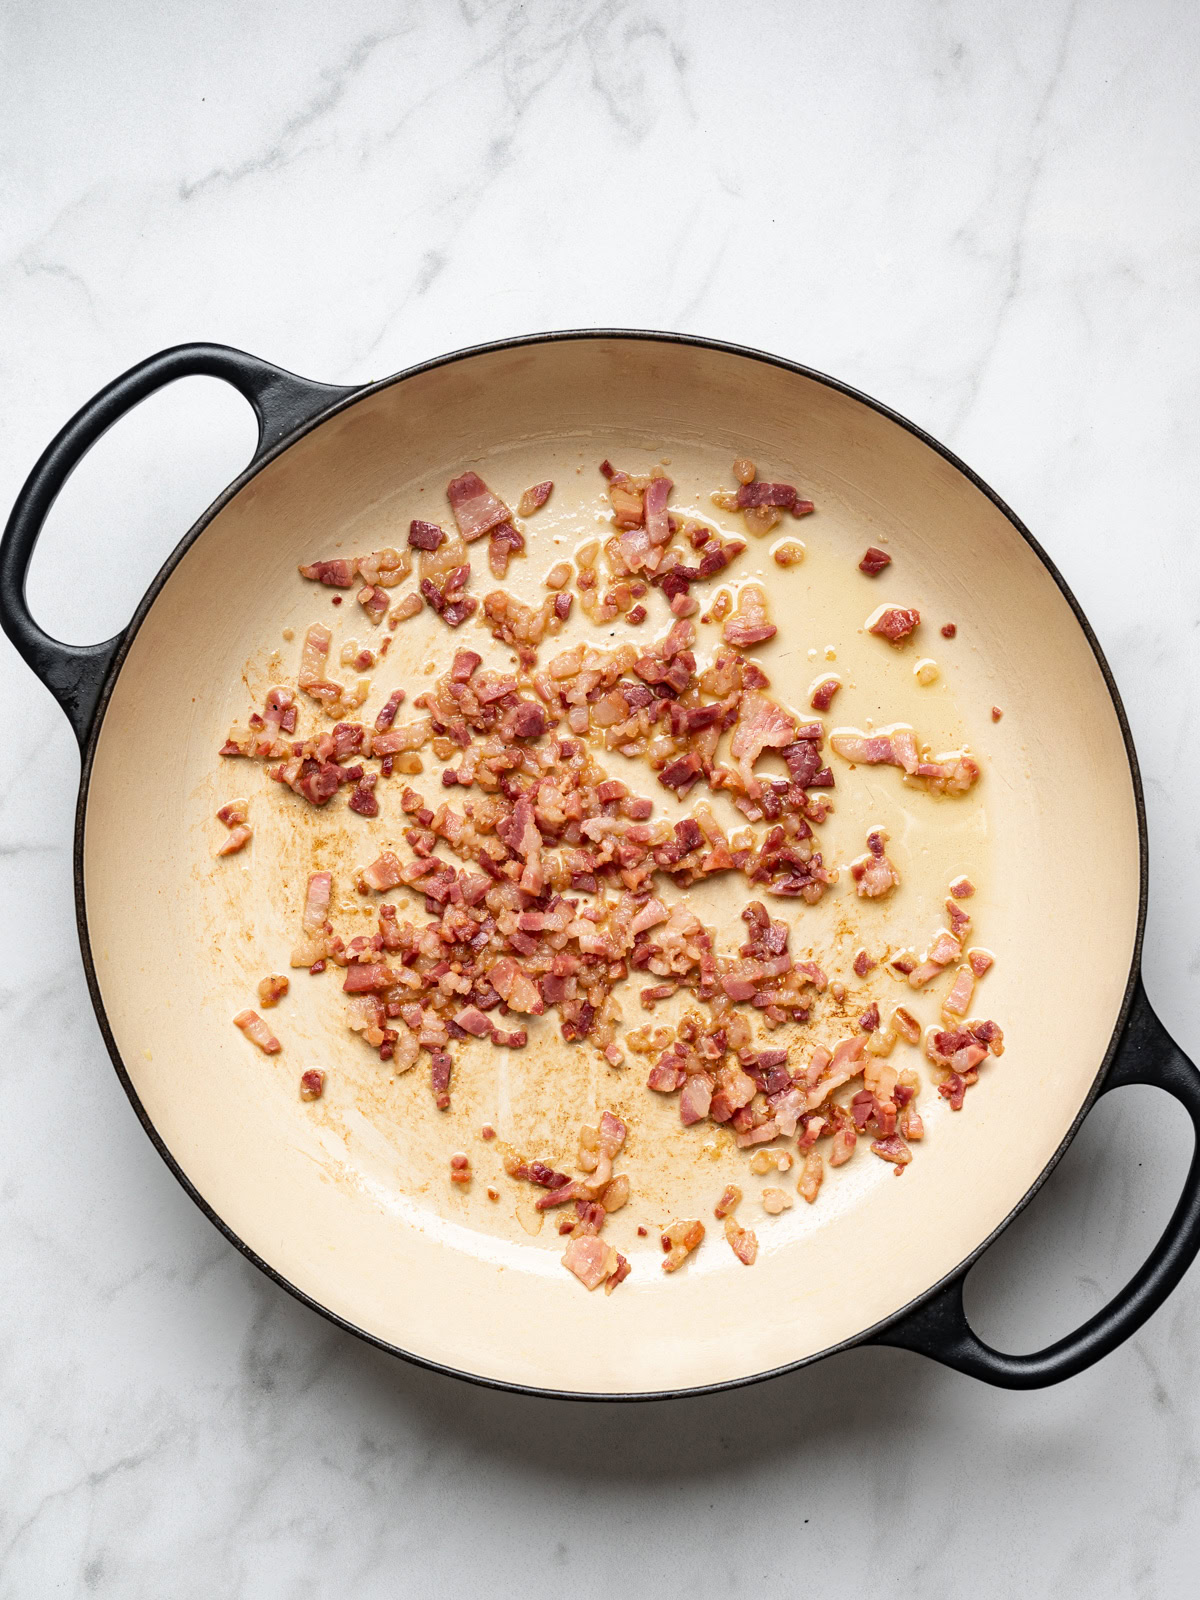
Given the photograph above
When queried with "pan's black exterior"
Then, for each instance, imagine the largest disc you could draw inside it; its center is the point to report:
(82, 678)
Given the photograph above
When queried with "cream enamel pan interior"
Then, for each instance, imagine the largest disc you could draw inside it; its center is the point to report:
(347, 1200)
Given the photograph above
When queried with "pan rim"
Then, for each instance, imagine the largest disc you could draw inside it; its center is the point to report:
(346, 402)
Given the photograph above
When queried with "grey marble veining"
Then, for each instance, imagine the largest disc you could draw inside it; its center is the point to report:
(984, 216)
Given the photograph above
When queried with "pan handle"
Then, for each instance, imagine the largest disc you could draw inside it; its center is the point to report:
(939, 1328)
(282, 402)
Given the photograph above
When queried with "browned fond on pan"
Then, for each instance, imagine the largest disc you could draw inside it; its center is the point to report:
(348, 1199)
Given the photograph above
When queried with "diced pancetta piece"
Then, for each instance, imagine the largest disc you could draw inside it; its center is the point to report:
(822, 692)
(336, 574)
(368, 977)
(730, 1199)
(515, 987)
(387, 712)
(761, 725)
(958, 1002)
(893, 1149)
(425, 536)
(654, 510)
(742, 1241)
(874, 561)
(750, 624)
(314, 656)
(696, 1098)
(385, 872)
(812, 1176)
(272, 989)
(679, 1240)
(906, 1025)
(893, 623)
(952, 773)
(981, 960)
(239, 838)
(316, 901)
(476, 509)
(842, 1148)
(535, 498)
(874, 875)
(944, 949)
(962, 888)
(233, 813)
(590, 1259)
(256, 1030)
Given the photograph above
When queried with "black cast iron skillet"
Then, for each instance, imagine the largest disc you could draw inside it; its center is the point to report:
(82, 679)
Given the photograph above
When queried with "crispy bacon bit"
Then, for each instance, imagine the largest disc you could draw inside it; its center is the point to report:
(750, 623)
(476, 509)
(869, 1020)
(775, 1201)
(874, 561)
(679, 1240)
(591, 1260)
(949, 630)
(863, 964)
(312, 1084)
(730, 1200)
(535, 498)
(239, 837)
(559, 575)
(256, 1030)
(893, 623)
(822, 693)
(742, 1241)
(235, 812)
(460, 1168)
(996, 713)
(272, 990)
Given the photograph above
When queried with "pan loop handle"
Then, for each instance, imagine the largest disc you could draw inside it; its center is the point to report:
(282, 402)
(939, 1327)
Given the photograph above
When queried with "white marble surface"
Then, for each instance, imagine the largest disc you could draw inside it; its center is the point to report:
(984, 215)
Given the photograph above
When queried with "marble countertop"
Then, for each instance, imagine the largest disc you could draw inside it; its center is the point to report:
(980, 215)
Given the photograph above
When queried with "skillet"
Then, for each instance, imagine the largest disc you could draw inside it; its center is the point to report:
(345, 1204)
